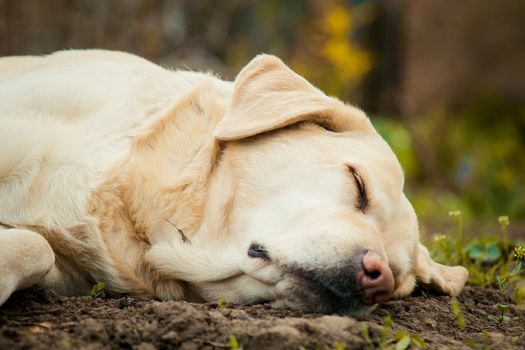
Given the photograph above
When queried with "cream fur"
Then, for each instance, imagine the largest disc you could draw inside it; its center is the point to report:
(157, 181)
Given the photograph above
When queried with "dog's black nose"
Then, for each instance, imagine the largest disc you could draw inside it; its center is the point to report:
(258, 251)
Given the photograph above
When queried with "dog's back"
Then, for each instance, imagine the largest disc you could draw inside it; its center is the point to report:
(66, 118)
(66, 122)
(13, 65)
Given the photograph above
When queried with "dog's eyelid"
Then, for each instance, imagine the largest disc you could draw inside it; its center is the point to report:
(362, 202)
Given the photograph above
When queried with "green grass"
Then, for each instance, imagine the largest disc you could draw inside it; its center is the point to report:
(387, 340)
(97, 291)
(491, 260)
(221, 303)
(234, 343)
(456, 310)
(500, 317)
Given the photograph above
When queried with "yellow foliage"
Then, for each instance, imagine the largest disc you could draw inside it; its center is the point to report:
(350, 62)
(338, 21)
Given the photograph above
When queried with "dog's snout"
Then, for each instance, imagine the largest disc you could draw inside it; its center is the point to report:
(376, 279)
(257, 250)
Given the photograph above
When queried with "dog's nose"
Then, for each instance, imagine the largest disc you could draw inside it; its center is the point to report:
(346, 288)
(376, 279)
(257, 250)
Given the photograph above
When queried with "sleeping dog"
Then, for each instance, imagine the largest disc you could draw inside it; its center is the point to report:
(178, 185)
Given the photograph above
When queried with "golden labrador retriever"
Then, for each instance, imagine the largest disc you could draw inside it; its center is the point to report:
(178, 185)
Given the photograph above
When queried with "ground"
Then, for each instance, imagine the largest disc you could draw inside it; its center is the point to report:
(38, 319)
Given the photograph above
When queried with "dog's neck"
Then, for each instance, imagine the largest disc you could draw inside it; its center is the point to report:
(166, 177)
(161, 189)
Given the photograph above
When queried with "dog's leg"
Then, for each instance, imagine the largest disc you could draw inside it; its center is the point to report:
(25, 258)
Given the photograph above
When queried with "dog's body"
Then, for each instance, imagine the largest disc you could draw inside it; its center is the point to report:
(157, 182)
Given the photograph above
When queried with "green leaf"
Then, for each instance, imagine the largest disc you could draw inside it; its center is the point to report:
(470, 342)
(97, 290)
(234, 344)
(502, 309)
(383, 333)
(400, 335)
(404, 343)
(493, 252)
(365, 333)
(387, 322)
(418, 341)
(517, 269)
(339, 346)
(221, 303)
(475, 250)
(493, 318)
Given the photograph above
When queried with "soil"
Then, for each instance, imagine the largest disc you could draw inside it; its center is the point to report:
(38, 319)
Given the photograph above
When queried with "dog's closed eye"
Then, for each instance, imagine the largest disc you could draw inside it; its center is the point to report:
(362, 200)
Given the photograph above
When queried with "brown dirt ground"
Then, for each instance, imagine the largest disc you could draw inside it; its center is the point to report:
(37, 319)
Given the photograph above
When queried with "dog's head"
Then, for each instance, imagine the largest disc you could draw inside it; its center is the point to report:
(305, 208)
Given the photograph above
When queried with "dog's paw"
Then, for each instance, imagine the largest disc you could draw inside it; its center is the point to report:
(7, 287)
(25, 258)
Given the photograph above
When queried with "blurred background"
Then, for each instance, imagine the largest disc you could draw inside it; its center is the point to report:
(443, 82)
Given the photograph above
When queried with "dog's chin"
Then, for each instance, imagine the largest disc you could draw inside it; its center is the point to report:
(299, 294)
(298, 289)
(354, 308)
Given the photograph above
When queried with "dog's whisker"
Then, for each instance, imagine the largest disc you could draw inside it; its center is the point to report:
(183, 236)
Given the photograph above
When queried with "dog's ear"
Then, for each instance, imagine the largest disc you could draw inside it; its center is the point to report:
(444, 279)
(267, 95)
